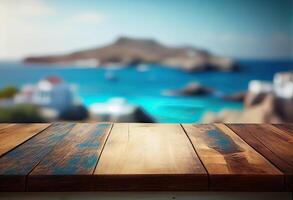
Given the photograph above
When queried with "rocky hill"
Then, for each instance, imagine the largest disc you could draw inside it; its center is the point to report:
(128, 51)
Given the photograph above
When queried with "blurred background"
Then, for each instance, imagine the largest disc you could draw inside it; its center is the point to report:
(187, 61)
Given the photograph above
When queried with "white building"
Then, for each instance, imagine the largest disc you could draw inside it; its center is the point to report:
(50, 92)
(281, 87)
(283, 84)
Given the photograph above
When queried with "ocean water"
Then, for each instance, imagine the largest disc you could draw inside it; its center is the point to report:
(145, 88)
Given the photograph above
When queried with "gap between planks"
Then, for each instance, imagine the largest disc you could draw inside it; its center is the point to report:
(107, 136)
(215, 173)
(196, 154)
(80, 133)
(26, 176)
(252, 146)
(110, 131)
(39, 132)
(102, 150)
(266, 150)
(264, 145)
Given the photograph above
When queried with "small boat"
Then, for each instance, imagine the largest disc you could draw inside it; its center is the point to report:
(110, 76)
(142, 68)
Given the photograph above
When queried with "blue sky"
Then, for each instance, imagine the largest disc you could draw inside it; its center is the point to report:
(234, 28)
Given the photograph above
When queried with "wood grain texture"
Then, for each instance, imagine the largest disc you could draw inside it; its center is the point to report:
(16, 164)
(150, 157)
(274, 144)
(3, 126)
(288, 128)
(74, 157)
(15, 134)
(146, 157)
(231, 163)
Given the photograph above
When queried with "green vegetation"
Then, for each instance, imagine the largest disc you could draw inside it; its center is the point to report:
(8, 92)
(20, 114)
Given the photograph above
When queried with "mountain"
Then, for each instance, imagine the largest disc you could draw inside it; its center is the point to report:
(129, 51)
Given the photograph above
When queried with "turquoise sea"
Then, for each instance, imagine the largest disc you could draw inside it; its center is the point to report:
(145, 88)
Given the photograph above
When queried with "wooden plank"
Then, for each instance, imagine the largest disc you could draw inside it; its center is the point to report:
(13, 135)
(167, 195)
(16, 164)
(150, 157)
(3, 126)
(73, 160)
(272, 143)
(260, 136)
(288, 128)
(231, 163)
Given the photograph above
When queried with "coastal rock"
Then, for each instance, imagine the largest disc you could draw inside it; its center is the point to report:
(195, 89)
(141, 116)
(257, 91)
(128, 51)
(265, 102)
(191, 89)
(264, 112)
(236, 97)
(254, 99)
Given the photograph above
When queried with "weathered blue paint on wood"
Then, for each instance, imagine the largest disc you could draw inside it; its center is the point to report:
(216, 139)
(232, 163)
(78, 152)
(24, 158)
(234, 155)
(64, 156)
(274, 142)
(13, 135)
(222, 142)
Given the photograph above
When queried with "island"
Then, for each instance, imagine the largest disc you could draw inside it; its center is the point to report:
(127, 51)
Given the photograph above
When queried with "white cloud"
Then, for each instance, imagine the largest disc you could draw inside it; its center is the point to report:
(25, 8)
(89, 17)
(18, 25)
(29, 27)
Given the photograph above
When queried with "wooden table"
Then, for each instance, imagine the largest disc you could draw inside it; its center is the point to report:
(145, 157)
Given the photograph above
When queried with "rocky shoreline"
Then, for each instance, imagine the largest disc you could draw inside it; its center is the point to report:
(128, 51)
(264, 102)
(191, 89)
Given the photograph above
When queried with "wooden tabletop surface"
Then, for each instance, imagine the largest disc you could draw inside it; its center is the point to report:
(146, 157)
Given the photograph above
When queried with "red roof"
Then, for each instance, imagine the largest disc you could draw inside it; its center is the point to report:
(54, 79)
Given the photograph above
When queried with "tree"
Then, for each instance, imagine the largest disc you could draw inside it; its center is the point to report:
(8, 92)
